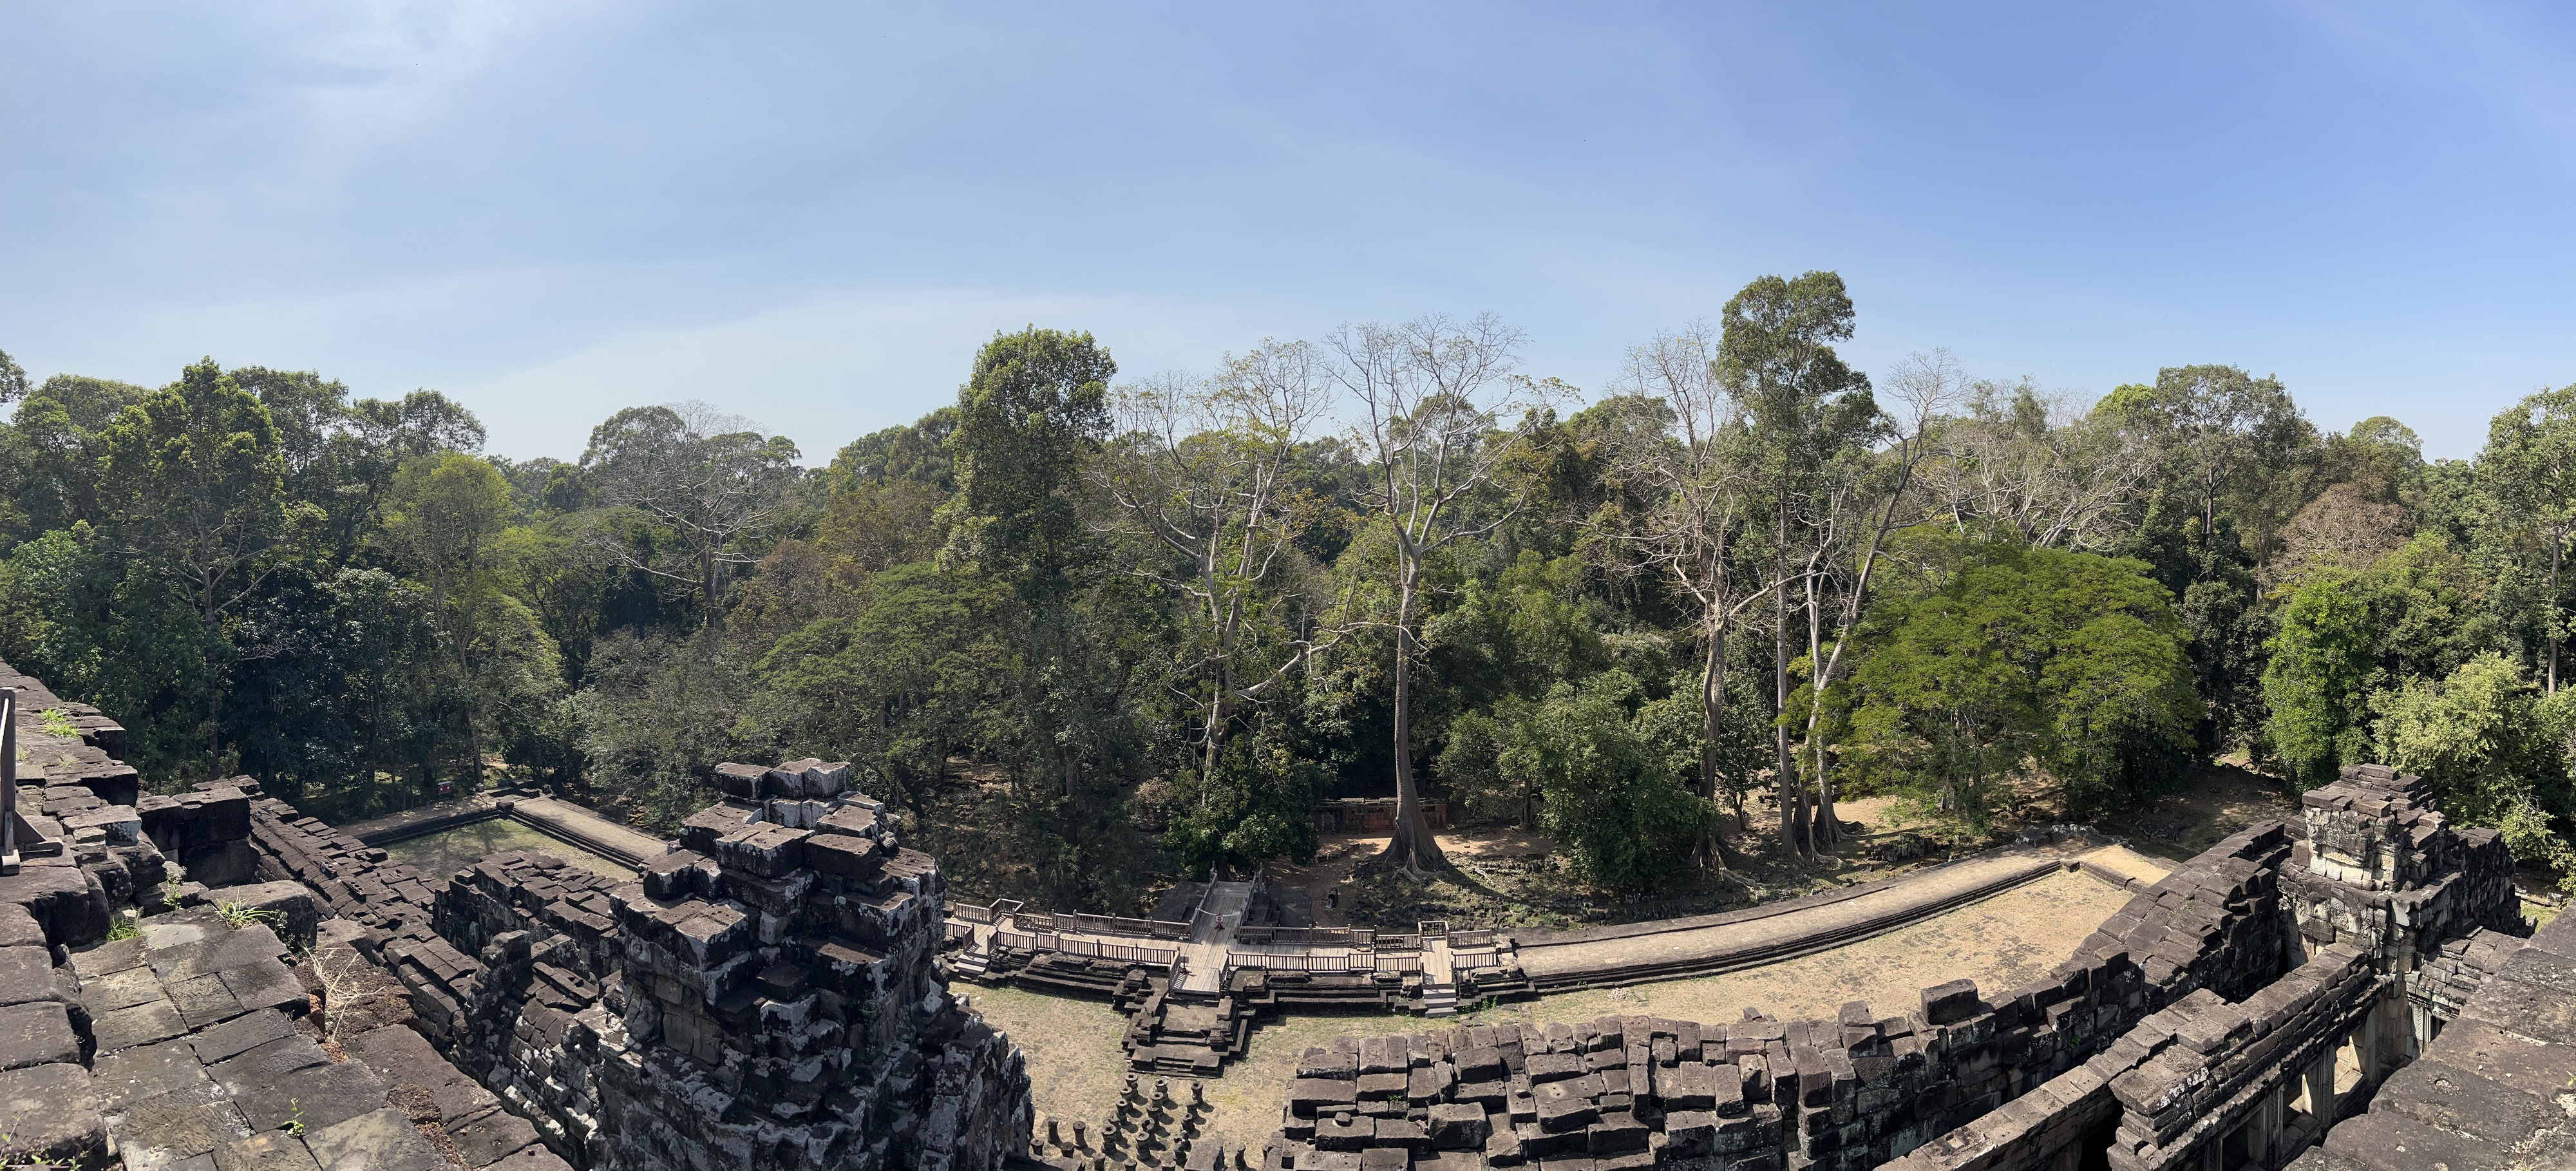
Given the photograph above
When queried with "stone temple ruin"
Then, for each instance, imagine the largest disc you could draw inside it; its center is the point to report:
(2352, 990)
(768, 997)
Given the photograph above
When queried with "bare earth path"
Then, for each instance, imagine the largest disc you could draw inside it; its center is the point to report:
(1764, 927)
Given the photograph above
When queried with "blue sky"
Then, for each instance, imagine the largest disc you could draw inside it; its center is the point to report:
(812, 214)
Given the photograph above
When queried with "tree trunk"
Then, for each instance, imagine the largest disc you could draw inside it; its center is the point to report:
(214, 700)
(1411, 847)
(1712, 718)
(1214, 732)
(2557, 547)
(1793, 829)
(707, 614)
(1822, 831)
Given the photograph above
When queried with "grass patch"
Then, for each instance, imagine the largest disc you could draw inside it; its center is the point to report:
(1074, 1048)
(244, 914)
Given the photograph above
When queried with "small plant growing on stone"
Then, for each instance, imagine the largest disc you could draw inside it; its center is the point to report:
(295, 1125)
(243, 914)
(58, 722)
(122, 927)
(170, 893)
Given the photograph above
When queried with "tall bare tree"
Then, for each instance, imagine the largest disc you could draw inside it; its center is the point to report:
(1427, 396)
(707, 478)
(1864, 496)
(2030, 462)
(1696, 468)
(1803, 405)
(1202, 467)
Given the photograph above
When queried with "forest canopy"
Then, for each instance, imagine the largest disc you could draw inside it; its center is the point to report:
(1166, 615)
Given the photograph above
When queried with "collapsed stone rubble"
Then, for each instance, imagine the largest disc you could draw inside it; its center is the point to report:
(765, 996)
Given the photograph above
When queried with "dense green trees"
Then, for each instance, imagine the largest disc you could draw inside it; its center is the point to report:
(2011, 662)
(1140, 627)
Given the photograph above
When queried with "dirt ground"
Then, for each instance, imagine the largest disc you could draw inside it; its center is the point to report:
(1512, 878)
(2221, 800)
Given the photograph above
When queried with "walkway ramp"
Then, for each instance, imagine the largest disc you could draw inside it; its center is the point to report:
(1708, 944)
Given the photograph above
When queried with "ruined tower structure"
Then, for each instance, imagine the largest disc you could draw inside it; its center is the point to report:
(765, 996)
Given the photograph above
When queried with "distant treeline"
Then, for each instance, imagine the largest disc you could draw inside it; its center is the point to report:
(1174, 611)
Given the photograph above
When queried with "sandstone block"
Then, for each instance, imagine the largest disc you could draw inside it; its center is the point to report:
(1458, 1126)
(53, 1116)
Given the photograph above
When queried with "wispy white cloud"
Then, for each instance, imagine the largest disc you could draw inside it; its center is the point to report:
(826, 370)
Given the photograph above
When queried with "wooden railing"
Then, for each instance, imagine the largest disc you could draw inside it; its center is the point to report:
(1296, 962)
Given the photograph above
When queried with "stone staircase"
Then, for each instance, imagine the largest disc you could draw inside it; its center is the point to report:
(1439, 1000)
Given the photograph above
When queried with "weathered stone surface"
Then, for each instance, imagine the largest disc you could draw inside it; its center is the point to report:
(233, 1038)
(125, 989)
(530, 1158)
(37, 1033)
(1457, 1126)
(28, 974)
(1952, 1002)
(317, 1096)
(292, 912)
(378, 1140)
(170, 1130)
(488, 1139)
(18, 928)
(265, 1065)
(63, 900)
(765, 850)
(149, 1071)
(843, 855)
(143, 1024)
(399, 1057)
(272, 1151)
(53, 1115)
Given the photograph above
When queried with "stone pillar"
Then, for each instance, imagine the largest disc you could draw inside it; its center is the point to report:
(2321, 1090)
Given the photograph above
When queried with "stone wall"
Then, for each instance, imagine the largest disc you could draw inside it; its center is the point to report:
(2393, 910)
(1852, 1092)
(2495, 1087)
